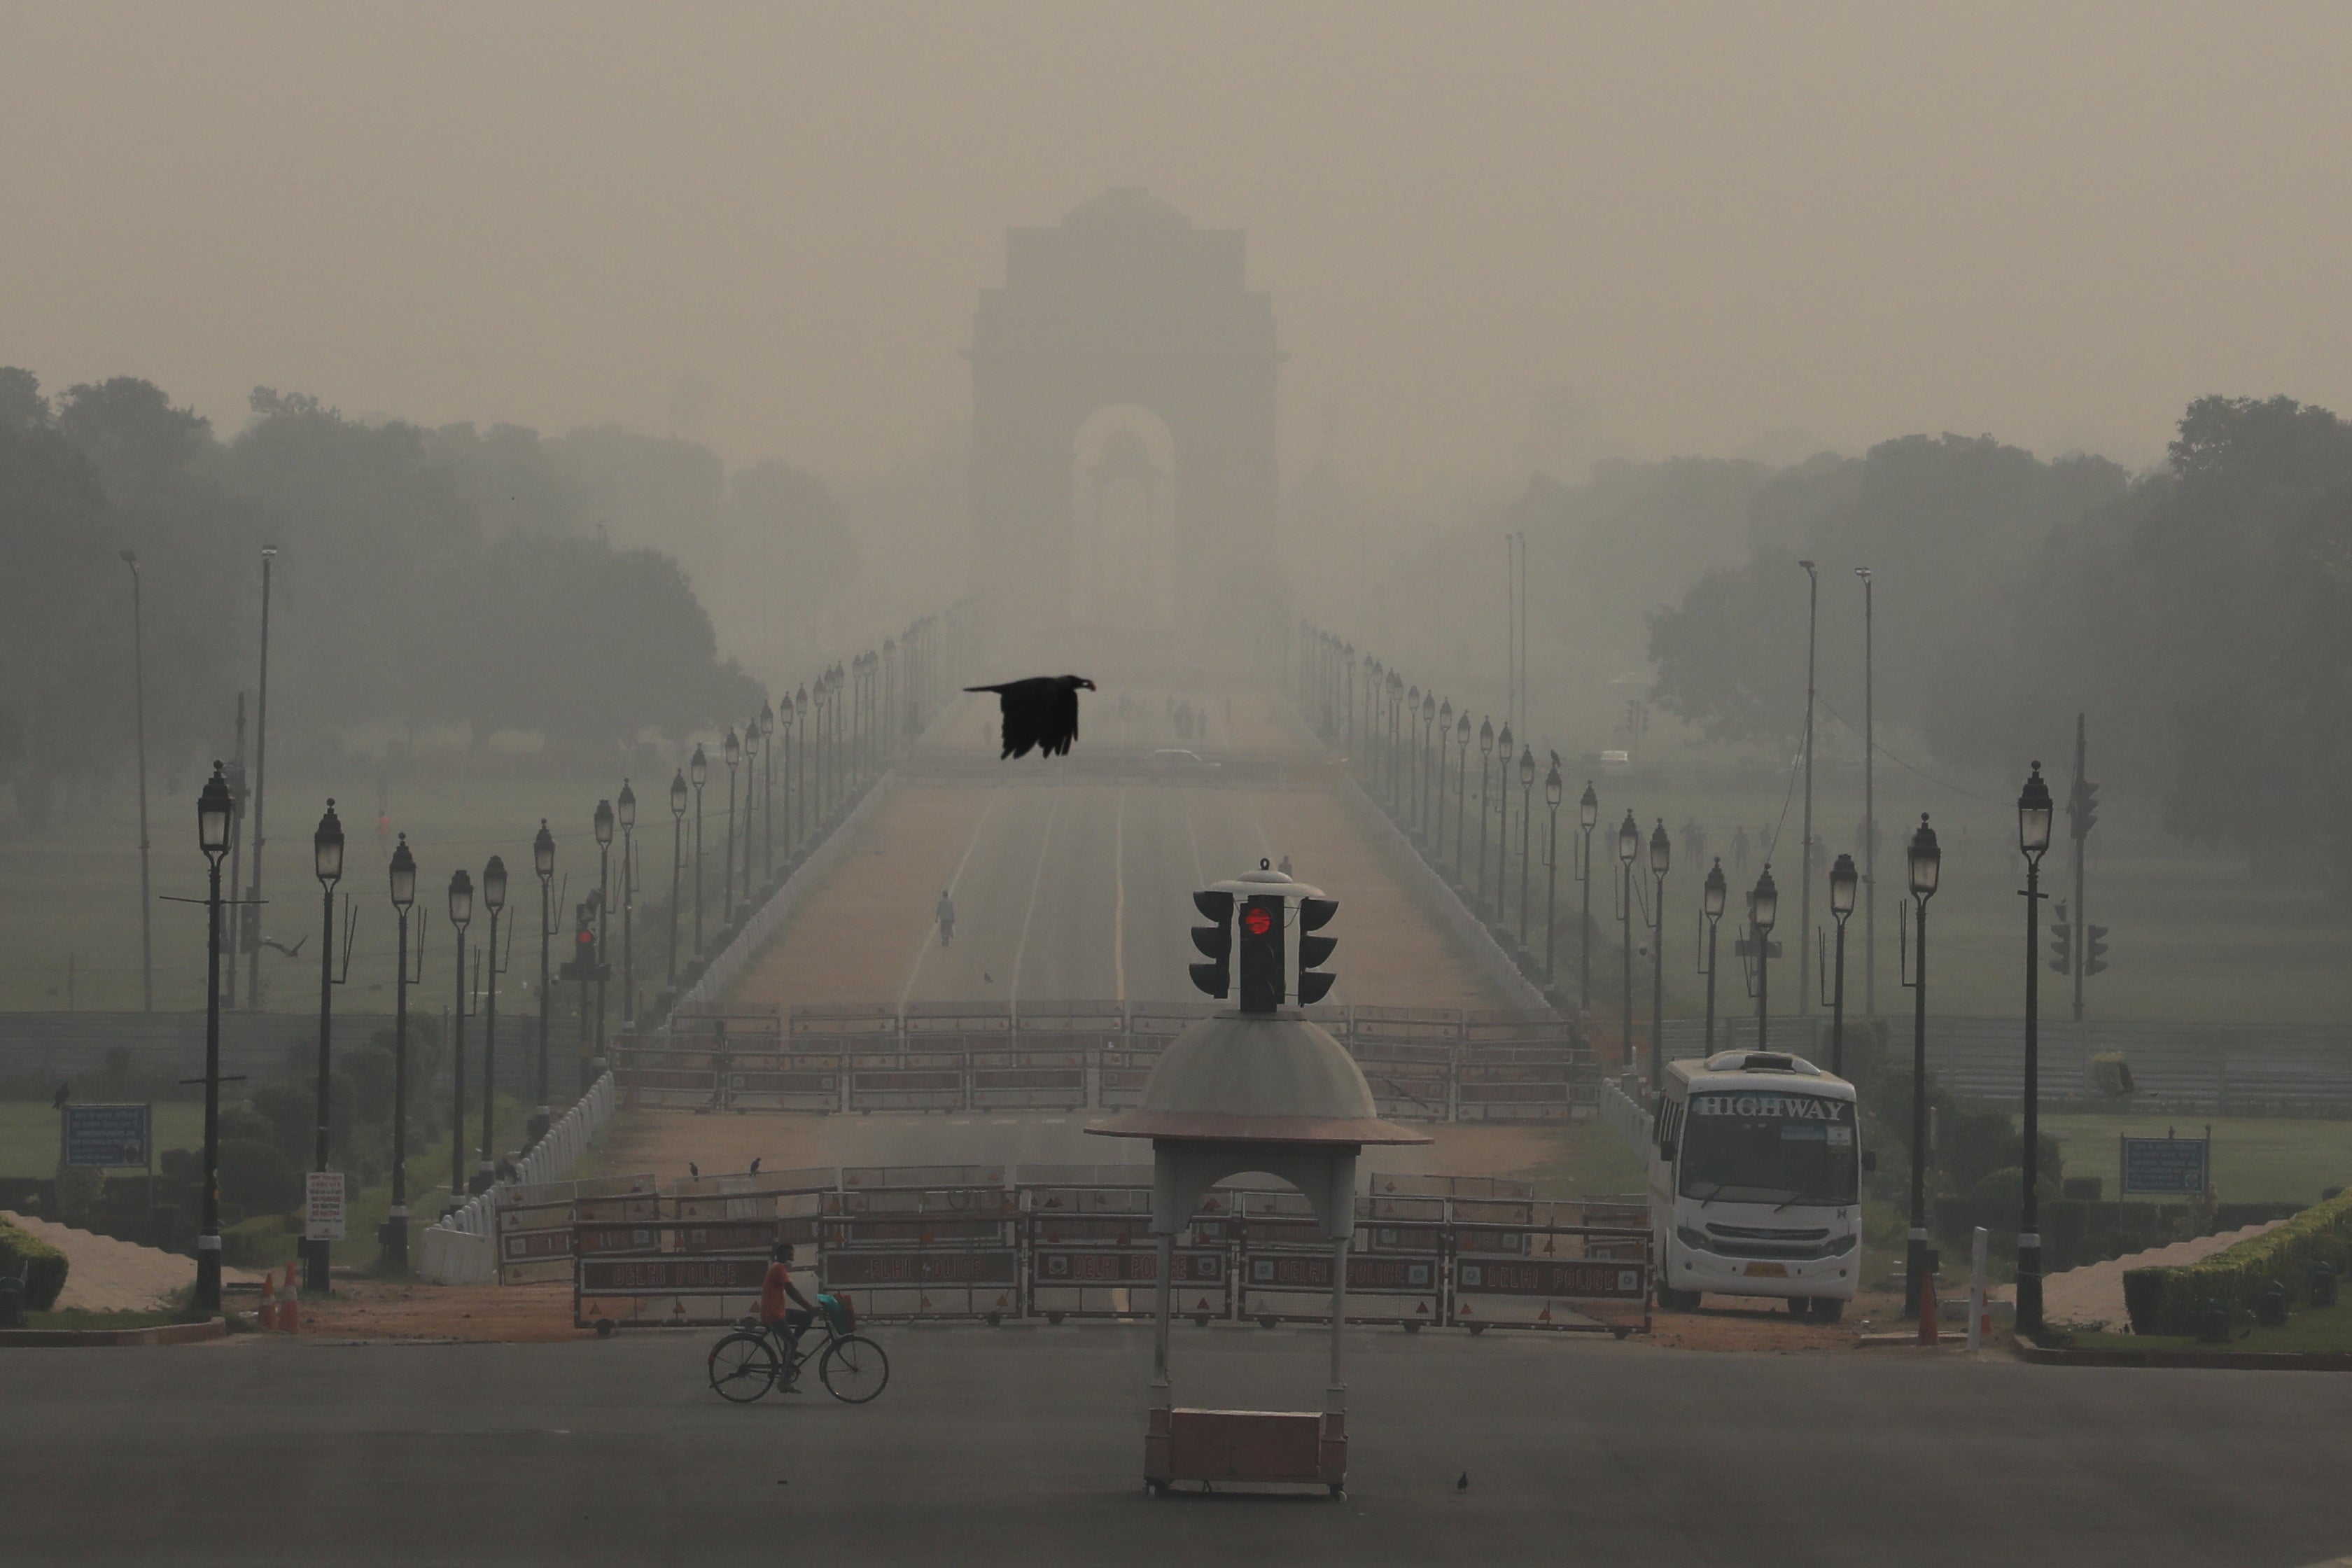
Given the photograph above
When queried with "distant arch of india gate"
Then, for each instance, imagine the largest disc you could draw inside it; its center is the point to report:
(1124, 475)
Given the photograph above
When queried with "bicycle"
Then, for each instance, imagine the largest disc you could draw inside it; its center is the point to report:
(749, 1361)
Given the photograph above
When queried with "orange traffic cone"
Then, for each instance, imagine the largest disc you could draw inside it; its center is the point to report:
(1926, 1309)
(268, 1316)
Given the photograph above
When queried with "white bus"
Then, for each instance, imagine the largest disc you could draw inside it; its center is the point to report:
(1755, 1183)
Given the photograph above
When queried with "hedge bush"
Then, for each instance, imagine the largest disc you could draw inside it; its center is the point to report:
(2167, 1301)
(43, 1267)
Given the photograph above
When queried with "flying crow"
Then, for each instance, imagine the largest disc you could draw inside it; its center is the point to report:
(277, 946)
(1041, 712)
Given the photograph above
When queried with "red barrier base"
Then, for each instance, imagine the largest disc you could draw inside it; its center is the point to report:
(1286, 1448)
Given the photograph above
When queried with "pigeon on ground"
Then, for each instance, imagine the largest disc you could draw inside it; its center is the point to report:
(1463, 1484)
(692, 1169)
(755, 1164)
(1041, 712)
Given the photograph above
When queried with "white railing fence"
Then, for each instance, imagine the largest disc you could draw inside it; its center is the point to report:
(462, 1248)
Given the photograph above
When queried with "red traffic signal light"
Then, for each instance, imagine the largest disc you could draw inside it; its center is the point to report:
(1258, 919)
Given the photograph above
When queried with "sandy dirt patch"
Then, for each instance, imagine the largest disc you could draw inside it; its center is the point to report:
(384, 1309)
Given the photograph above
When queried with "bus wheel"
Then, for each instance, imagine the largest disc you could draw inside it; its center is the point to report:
(1828, 1308)
(1678, 1300)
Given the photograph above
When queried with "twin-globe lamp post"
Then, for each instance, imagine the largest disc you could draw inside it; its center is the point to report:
(1711, 899)
(2033, 818)
(327, 859)
(404, 899)
(214, 807)
(1554, 789)
(1926, 865)
(461, 915)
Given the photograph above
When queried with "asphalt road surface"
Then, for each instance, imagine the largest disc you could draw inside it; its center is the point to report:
(1023, 1447)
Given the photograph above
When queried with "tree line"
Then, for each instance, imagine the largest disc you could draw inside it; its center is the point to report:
(425, 577)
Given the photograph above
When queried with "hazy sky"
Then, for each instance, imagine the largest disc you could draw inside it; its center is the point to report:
(765, 225)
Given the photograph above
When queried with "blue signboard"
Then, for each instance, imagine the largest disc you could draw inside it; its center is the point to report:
(2166, 1167)
(104, 1135)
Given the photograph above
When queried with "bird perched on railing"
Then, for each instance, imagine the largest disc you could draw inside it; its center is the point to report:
(1041, 712)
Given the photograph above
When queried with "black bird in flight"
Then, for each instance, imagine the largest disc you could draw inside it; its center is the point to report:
(1041, 712)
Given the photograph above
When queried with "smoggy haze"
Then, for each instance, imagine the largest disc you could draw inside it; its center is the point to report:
(764, 228)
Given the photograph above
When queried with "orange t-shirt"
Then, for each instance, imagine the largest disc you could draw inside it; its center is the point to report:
(773, 1300)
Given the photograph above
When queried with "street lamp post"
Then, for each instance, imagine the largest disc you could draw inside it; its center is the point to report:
(138, 696)
(542, 864)
(768, 793)
(751, 773)
(732, 750)
(1527, 818)
(494, 899)
(1926, 865)
(1763, 914)
(799, 791)
(603, 825)
(326, 858)
(404, 899)
(1444, 734)
(249, 915)
(461, 914)
(1661, 857)
(1503, 743)
(1805, 881)
(698, 770)
(214, 807)
(1711, 901)
(1485, 749)
(677, 866)
(2033, 818)
(626, 811)
(1587, 815)
(1460, 784)
(1629, 844)
(1428, 718)
(1842, 879)
(1554, 788)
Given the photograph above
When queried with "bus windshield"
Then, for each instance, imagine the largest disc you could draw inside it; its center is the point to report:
(1769, 1147)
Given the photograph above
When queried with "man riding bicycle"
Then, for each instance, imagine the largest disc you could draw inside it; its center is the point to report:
(785, 1322)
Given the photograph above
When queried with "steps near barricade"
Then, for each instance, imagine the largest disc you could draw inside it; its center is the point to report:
(1427, 1064)
(996, 1243)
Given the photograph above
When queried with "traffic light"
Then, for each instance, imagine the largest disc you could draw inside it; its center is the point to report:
(2083, 808)
(1261, 958)
(2061, 943)
(581, 965)
(1215, 942)
(2094, 948)
(1314, 914)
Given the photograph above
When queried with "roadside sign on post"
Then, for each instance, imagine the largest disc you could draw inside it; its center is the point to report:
(108, 1136)
(323, 1207)
(2167, 1167)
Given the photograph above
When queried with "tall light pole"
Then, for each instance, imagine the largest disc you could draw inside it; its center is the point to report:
(1587, 815)
(213, 808)
(1348, 672)
(138, 696)
(1462, 784)
(1527, 818)
(1503, 743)
(1844, 878)
(461, 915)
(1629, 844)
(1554, 790)
(1926, 865)
(250, 915)
(1486, 750)
(625, 809)
(494, 899)
(751, 773)
(1763, 914)
(1661, 857)
(1710, 904)
(404, 899)
(1428, 718)
(697, 769)
(1411, 805)
(1805, 883)
(327, 857)
(542, 864)
(800, 768)
(603, 825)
(2034, 812)
(1869, 814)
(1444, 735)
(677, 866)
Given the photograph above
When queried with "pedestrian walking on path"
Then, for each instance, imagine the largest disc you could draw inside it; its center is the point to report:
(945, 915)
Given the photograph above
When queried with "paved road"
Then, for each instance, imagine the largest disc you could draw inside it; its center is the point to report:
(1022, 1447)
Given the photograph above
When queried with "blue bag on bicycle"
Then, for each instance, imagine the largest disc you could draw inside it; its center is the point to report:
(838, 1313)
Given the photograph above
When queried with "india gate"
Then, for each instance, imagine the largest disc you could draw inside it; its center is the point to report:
(1123, 469)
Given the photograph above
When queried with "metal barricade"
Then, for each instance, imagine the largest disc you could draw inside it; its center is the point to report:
(644, 1273)
(1396, 1262)
(923, 1252)
(534, 1223)
(1544, 1274)
(1091, 1253)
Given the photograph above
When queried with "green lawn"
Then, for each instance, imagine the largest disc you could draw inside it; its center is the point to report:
(29, 1133)
(2307, 1329)
(2255, 1159)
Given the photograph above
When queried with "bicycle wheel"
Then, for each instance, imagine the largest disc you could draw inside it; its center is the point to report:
(742, 1366)
(853, 1369)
